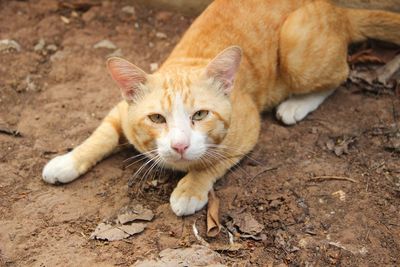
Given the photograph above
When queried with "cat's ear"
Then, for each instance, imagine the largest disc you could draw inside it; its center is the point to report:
(224, 66)
(127, 76)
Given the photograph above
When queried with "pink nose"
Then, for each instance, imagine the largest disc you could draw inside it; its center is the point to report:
(180, 147)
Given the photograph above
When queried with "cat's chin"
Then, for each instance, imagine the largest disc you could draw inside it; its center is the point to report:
(180, 164)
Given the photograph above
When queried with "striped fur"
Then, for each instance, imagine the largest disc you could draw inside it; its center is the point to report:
(293, 54)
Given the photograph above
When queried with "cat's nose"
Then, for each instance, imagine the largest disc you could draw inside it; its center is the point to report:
(180, 147)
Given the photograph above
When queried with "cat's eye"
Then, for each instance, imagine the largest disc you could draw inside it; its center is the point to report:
(157, 118)
(199, 115)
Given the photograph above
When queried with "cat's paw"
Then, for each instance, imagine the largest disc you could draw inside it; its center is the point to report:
(61, 169)
(297, 108)
(186, 200)
(292, 111)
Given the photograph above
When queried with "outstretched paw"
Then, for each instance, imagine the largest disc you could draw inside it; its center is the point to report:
(186, 199)
(61, 169)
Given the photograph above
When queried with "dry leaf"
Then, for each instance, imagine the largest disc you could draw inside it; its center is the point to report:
(246, 223)
(192, 256)
(106, 231)
(340, 145)
(117, 229)
(137, 212)
(213, 224)
(365, 56)
(227, 247)
(384, 74)
(386, 77)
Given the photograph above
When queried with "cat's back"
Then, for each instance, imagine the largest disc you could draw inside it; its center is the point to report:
(252, 24)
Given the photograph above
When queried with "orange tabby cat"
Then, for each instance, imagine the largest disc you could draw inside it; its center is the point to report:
(200, 111)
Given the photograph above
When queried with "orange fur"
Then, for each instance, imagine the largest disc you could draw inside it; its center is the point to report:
(292, 47)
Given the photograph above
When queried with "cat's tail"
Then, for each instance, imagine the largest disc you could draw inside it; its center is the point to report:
(381, 25)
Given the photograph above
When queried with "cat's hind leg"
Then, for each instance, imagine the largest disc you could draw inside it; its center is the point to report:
(312, 53)
(68, 167)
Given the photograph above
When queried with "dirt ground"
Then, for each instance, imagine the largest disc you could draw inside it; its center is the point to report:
(56, 94)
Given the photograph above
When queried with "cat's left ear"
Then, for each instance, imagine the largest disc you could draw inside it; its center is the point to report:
(224, 66)
(127, 76)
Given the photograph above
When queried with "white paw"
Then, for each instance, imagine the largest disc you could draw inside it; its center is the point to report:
(297, 108)
(184, 204)
(61, 169)
(292, 111)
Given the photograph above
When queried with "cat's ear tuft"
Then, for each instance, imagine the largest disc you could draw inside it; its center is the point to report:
(127, 76)
(224, 67)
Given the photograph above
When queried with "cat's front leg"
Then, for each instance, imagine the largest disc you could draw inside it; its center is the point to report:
(191, 194)
(66, 168)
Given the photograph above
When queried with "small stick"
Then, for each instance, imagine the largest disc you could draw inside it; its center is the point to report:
(198, 237)
(261, 172)
(334, 178)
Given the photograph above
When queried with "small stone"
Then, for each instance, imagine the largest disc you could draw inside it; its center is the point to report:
(105, 44)
(163, 16)
(65, 20)
(161, 35)
(128, 9)
(51, 47)
(40, 45)
(7, 45)
(153, 67)
(151, 44)
(74, 14)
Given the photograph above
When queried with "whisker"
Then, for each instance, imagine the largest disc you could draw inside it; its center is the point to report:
(141, 154)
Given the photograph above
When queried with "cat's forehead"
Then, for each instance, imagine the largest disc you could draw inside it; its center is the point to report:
(177, 88)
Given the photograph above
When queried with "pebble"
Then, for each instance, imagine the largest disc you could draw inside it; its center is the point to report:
(51, 47)
(105, 44)
(65, 20)
(40, 45)
(128, 10)
(7, 44)
(163, 16)
(153, 67)
(161, 35)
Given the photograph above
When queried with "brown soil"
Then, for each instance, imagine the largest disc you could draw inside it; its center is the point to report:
(56, 97)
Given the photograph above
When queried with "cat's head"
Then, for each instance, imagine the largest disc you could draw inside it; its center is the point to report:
(178, 116)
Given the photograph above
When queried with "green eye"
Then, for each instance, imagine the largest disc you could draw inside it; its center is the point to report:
(157, 118)
(199, 115)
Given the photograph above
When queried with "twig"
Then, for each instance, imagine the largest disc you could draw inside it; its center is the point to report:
(8, 131)
(198, 237)
(261, 172)
(334, 178)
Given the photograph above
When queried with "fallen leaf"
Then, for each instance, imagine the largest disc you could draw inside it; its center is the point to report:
(213, 224)
(365, 56)
(393, 143)
(106, 231)
(385, 78)
(226, 247)
(121, 225)
(246, 223)
(385, 73)
(192, 256)
(137, 212)
(133, 228)
(341, 195)
(6, 130)
(340, 145)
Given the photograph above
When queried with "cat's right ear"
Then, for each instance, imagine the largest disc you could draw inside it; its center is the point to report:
(127, 76)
